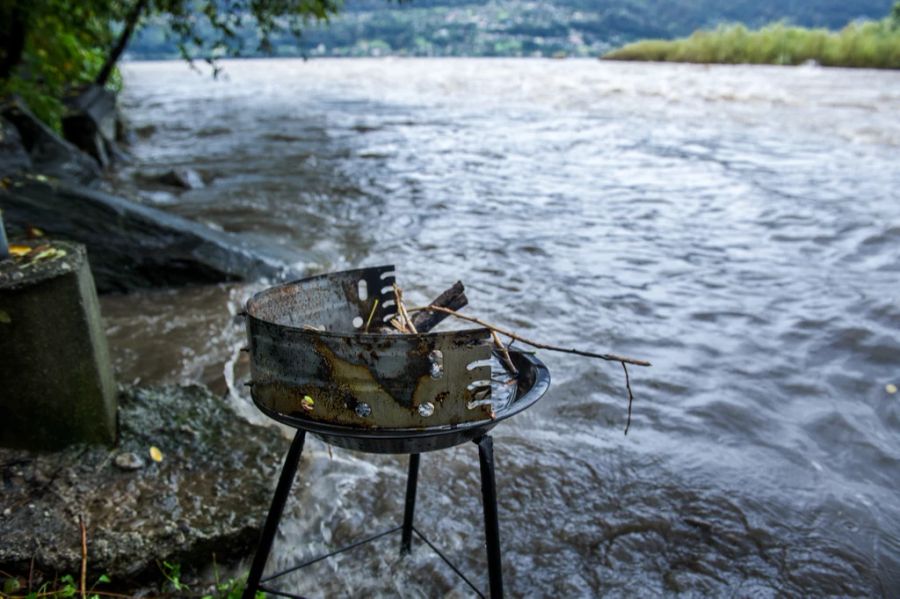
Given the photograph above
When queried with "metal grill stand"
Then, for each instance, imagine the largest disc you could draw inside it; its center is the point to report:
(485, 444)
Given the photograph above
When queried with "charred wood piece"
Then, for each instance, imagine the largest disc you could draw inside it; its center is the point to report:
(453, 298)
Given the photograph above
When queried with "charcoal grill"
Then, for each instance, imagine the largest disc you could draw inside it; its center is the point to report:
(321, 363)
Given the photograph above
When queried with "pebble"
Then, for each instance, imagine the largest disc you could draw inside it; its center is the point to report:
(128, 461)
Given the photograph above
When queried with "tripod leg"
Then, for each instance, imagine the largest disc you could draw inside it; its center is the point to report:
(285, 480)
(491, 523)
(409, 511)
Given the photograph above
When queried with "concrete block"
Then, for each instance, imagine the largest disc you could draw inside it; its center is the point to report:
(56, 382)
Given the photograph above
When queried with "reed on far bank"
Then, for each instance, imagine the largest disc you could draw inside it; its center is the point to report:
(868, 44)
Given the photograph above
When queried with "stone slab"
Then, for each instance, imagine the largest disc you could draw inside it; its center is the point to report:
(209, 494)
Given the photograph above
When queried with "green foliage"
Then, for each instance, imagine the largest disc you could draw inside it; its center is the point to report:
(67, 42)
(869, 44)
(65, 48)
(172, 573)
(518, 27)
(65, 586)
(210, 29)
(233, 588)
(14, 587)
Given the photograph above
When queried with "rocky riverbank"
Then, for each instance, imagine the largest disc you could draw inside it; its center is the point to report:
(188, 481)
(50, 184)
(205, 492)
(132, 246)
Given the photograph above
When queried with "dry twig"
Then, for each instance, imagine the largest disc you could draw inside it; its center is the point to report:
(503, 352)
(83, 557)
(371, 314)
(401, 310)
(538, 344)
(495, 329)
(630, 397)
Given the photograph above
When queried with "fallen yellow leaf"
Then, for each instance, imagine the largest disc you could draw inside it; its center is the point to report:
(19, 250)
(155, 454)
(51, 253)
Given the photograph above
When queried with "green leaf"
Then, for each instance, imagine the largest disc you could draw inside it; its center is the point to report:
(10, 586)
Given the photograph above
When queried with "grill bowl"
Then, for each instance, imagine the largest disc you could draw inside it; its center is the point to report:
(315, 366)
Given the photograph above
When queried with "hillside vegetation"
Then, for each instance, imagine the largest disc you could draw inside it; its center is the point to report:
(523, 27)
(872, 44)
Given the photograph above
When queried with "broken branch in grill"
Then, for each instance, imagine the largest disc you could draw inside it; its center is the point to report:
(503, 351)
(532, 343)
(453, 298)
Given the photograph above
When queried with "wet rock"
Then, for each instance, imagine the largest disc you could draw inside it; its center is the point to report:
(90, 123)
(145, 131)
(125, 133)
(133, 246)
(13, 157)
(162, 511)
(128, 460)
(50, 154)
(184, 178)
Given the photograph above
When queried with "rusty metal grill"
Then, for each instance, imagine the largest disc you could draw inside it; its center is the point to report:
(316, 365)
(320, 363)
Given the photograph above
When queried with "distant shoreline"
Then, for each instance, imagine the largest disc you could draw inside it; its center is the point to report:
(870, 44)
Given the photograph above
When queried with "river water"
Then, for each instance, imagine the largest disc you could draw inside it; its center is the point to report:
(737, 226)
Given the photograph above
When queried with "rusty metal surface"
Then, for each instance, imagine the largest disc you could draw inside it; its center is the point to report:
(344, 376)
(533, 382)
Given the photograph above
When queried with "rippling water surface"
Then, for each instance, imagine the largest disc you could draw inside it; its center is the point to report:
(737, 226)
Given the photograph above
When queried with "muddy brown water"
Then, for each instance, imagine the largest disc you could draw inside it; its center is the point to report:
(737, 226)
